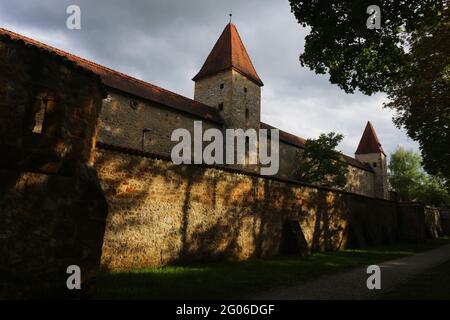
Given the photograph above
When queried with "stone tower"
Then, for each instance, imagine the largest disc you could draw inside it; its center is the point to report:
(371, 152)
(229, 82)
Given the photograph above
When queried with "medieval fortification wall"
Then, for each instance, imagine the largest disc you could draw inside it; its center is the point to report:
(160, 213)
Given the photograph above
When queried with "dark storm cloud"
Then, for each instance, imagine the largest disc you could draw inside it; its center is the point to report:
(165, 42)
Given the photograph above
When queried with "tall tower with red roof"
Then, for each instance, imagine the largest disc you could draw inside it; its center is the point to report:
(229, 82)
(371, 152)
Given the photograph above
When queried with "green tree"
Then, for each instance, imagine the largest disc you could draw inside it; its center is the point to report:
(422, 98)
(408, 178)
(408, 58)
(355, 56)
(433, 193)
(405, 173)
(321, 163)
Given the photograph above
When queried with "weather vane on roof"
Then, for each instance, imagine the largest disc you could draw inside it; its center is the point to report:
(231, 15)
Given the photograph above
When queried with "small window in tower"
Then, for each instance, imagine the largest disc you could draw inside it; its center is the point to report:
(222, 86)
(374, 164)
(247, 149)
(221, 106)
(245, 90)
(247, 113)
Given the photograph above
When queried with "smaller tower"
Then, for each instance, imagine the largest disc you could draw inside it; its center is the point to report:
(371, 152)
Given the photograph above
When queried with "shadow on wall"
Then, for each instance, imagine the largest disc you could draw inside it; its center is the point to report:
(49, 222)
(161, 214)
(52, 209)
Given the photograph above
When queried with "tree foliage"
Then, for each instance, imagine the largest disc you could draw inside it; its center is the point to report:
(405, 174)
(408, 178)
(408, 58)
(321, 163)
(354, 56)
(422, 98)
(433, 192)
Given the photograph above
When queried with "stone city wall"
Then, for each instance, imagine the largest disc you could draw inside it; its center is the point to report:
(160, 213)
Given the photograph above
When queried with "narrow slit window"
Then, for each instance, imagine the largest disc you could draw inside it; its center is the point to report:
(247, 150)
(220, 106)
(222, 85)
(247, 113)
(40, 116)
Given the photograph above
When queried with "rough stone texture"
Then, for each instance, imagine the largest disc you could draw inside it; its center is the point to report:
(360, 181)
(33, 82)
(123, 119)
(290, 157)
(47, 223)
(241, 100)
(378, 163)
(411, 221)
(238, 94)
(160, 213)
(54, 217)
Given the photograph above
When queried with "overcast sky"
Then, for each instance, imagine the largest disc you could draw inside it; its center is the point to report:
(165, 42)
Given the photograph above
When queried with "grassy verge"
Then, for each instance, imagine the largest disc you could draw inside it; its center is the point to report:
(228, 280)
(434, 284)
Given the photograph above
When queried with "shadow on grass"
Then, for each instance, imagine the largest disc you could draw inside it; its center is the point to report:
(432, 285)
(235, 279)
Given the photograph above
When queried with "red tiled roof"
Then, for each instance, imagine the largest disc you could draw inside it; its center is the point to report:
(286, 137)
(369, 142)
(229, 52)
(127, 84)
(300, 143)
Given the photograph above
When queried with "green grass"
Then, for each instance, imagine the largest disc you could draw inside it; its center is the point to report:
(228, 280)
(434, 284)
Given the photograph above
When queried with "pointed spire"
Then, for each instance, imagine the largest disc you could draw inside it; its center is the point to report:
(229, 53)
(369, 142)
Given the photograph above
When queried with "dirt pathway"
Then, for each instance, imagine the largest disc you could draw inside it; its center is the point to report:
(352, 285)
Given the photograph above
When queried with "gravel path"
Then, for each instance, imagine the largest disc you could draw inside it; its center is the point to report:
(351, 285)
